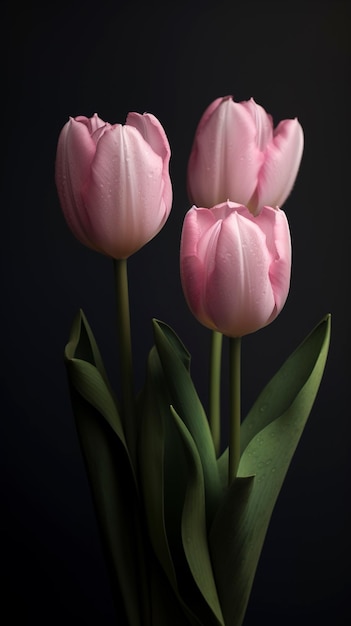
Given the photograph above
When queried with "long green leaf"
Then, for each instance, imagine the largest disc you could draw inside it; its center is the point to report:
(151, 460)
(163, 483)
(167, 608)
(88, 376)
(108, 468)
(280, 391)
(189, 408)
(239, 530)
(283, 388)
(194, 531)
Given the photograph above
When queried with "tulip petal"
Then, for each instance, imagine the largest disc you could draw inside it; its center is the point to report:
(93, 123)
(75, 152)
(239, 295)
(124, 194)
(225, 160)
(263, 123)
(281, 164)
(198, 223)
(153, 133)
(274, 224)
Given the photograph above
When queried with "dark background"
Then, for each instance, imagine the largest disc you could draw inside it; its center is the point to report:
(171, 59)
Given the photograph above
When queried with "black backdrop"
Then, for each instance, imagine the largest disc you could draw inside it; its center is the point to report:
(171, 59)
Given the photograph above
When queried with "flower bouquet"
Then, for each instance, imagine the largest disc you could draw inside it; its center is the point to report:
(183, 515)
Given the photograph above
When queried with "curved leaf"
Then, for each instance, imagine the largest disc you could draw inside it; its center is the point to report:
(88, 375)
(189, 408)
(163, 481)
(282, 389)
(239, 530)
(151, 457)
(176, 342)
(166, 606)
(194, 533)
(109, 470)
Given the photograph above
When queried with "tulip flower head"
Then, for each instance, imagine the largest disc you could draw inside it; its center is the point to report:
(113, 181)
(235, 268)
(238, 155)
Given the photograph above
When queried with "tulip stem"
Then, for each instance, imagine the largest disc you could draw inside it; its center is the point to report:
(235, 406)
(215, 389)
(125, 347)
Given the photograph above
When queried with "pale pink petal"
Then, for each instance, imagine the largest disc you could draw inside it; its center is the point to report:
(225, 161)
(192, 277)
(282, 161)
(75, 153)
(263, 122)
(96, 123)
(153, 133)
(239, 296)
(124, 195)
(223, 210)
(196, 222)
(274, 224)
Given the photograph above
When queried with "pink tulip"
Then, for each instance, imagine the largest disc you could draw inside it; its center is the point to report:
(113, 181)
(238, 155)
(235, 268)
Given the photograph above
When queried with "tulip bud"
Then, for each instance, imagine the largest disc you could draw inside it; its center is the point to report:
(113, 181)
(235, 268)
(238, 155)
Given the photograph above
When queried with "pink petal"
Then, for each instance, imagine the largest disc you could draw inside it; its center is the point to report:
(124, 195)
(225, 161)
(263, 123)
(193, 284)
(93, 123)
(282, 161)
(153, 133)
(275, 225)
(75, 153)
(239, 295)
(196, 222)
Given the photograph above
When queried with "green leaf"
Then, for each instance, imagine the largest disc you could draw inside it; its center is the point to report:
(166, 606)
(151, 458)
(187, 404)
(283, 388)
(239, 530)
(163, 483)
(176, 343)
(194, 532)
(108, 468)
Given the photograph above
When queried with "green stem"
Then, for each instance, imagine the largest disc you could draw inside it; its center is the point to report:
(125, 347)
(235, 406)
(215, 389)
(128, 415)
